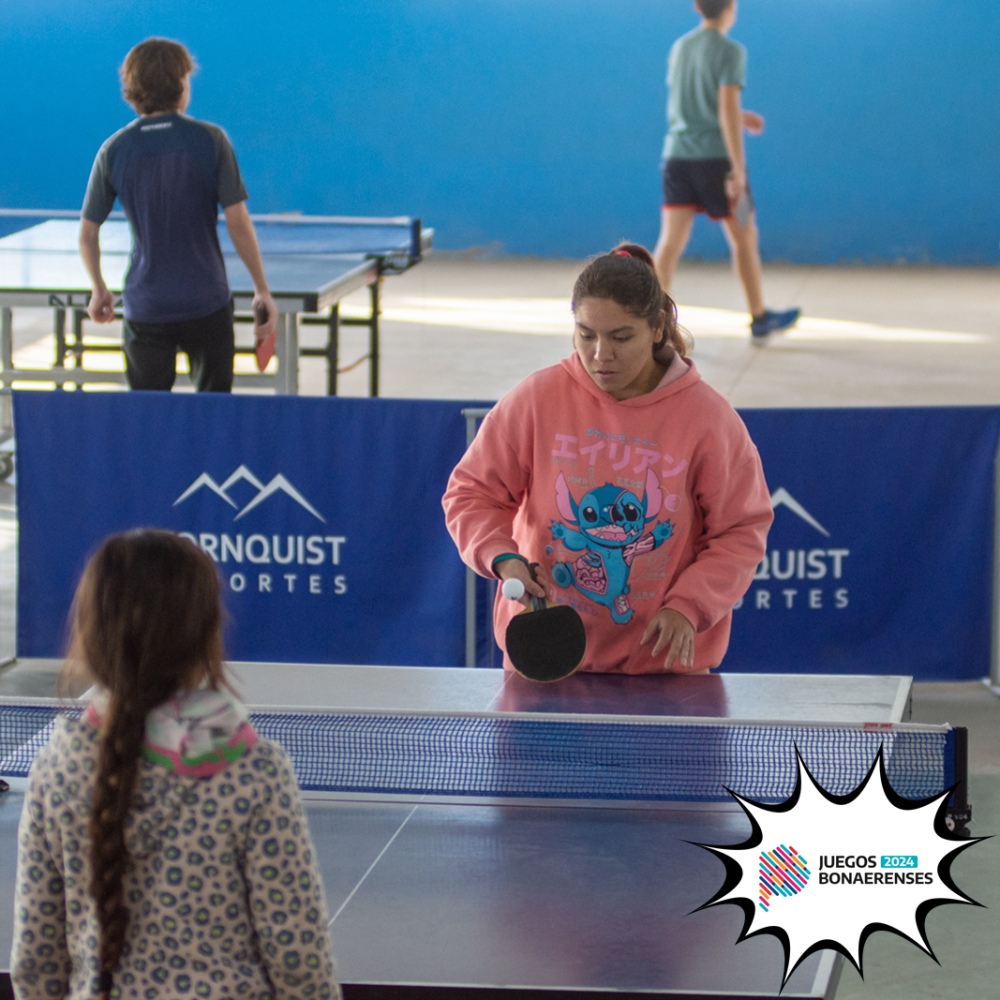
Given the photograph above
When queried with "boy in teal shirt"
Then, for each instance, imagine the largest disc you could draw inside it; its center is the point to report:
(704, 169)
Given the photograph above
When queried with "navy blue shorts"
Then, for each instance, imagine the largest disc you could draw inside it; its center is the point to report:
(697, 184)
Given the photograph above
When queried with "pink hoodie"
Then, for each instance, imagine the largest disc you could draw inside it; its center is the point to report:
(631, 506)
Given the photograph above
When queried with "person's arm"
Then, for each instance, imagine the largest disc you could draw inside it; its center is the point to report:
(736, 517)
(483, 497)
(101, 307)
(241, 232)
(285, 890)
(731, 123)
(734, 501)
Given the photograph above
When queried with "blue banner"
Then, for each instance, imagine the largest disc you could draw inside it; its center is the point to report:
(880, 557)
(324, 515)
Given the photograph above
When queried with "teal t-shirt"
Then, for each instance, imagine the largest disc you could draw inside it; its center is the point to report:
(700, 62)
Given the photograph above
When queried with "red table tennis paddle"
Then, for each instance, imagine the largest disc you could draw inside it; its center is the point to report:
(263, 348)
(546, 643)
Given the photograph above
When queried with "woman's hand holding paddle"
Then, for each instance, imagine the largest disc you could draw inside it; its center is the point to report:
(534, 584)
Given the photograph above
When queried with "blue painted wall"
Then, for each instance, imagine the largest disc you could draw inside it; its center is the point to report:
(534, 126)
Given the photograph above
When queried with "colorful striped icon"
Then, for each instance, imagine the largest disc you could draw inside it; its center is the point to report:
(783, 872)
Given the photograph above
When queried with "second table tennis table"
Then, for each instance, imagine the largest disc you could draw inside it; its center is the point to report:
(312, 263)
(539, 900)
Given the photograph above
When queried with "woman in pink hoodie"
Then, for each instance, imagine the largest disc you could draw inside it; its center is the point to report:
(632, 484)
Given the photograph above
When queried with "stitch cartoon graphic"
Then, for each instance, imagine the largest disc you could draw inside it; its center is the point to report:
(607, 526)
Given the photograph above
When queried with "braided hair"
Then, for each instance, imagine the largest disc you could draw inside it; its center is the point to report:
(146, 623)
(627, 276)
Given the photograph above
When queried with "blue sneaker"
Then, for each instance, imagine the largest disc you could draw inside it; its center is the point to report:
(773, 322)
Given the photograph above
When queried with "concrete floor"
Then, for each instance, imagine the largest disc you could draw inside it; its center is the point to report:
(464, 327)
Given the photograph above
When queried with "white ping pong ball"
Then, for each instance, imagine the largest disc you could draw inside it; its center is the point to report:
(512, 589)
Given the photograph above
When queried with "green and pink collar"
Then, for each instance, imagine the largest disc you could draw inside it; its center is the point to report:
(195, 733)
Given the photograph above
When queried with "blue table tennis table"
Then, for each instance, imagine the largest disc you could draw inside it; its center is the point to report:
(431, 897)
(311, 262)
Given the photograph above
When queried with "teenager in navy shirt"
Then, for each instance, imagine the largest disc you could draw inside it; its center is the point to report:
(170, 173)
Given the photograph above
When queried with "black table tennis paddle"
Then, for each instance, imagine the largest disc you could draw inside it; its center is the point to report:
(546, 643)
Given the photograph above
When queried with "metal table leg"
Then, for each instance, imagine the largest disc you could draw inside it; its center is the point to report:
(287, 350)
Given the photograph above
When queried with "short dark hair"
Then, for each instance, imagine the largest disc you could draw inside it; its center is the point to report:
(711, 9)
(153, 75)
(627, 275)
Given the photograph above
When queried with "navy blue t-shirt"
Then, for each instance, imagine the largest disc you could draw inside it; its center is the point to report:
(170, 173)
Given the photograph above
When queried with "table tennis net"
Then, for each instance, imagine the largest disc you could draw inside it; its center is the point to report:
(545, 757)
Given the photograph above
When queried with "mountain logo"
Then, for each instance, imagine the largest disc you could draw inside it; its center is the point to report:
(782, 498)
(279, 484)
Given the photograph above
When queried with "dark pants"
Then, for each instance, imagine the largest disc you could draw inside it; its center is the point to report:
(697, 184)
(209, 342)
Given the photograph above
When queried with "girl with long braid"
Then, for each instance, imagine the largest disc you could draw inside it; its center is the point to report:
(163, 849)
